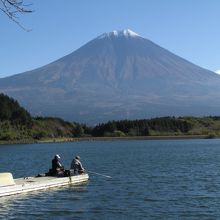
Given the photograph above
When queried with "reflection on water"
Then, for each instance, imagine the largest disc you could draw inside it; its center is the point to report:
(151, 180)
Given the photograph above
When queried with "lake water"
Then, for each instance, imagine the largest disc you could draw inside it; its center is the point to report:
(150, 180)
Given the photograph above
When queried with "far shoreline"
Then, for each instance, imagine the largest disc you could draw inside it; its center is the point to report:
(77, 139)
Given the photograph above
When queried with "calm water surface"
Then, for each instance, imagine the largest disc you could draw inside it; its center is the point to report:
(150, 180)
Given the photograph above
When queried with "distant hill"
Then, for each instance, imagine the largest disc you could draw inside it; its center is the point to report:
(16, 124)
(118, 75)
(10, 110)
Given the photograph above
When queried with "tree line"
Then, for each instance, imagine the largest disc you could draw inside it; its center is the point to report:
(142, 127)
(16, 123)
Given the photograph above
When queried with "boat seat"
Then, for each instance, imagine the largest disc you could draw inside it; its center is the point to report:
(6, 179)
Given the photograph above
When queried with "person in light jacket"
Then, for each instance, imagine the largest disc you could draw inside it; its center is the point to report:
(76, 165)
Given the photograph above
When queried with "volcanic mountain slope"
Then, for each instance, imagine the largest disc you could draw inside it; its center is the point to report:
(117, 75)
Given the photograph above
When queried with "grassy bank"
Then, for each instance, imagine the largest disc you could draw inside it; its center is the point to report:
(61, 140)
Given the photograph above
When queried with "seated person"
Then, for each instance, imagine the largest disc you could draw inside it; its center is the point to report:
(57, 167)
(77, 166)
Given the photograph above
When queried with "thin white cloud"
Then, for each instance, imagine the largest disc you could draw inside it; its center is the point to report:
(217, 71)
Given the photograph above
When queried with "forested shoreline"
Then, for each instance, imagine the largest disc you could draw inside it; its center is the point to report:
(17, 125)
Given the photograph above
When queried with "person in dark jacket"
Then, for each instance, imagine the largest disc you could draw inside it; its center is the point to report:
(57, 167)
(76, 165)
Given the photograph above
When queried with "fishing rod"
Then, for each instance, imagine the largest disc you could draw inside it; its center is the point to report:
(99, 174)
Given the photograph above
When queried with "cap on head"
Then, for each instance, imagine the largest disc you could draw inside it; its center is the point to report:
(57, 156)
(78, 157)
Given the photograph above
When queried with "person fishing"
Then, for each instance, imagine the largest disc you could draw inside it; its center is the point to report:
(57, 167)
(76, 165)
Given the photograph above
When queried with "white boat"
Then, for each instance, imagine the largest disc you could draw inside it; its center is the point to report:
(10, 186)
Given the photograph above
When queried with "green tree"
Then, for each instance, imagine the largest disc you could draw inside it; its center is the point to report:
(79, 131)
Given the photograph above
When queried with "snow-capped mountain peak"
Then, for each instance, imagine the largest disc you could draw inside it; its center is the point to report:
(120, 33)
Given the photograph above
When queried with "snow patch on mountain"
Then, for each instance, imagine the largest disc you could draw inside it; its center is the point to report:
(119, 33)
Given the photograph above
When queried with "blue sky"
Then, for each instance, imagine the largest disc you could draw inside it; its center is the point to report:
(188, 28)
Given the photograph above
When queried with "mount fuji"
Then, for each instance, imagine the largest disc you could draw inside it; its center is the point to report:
(118, 75)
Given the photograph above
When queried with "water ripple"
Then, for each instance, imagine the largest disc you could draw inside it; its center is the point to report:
(151, 180)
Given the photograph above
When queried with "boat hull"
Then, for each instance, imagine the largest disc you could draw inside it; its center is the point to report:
(28, 184)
